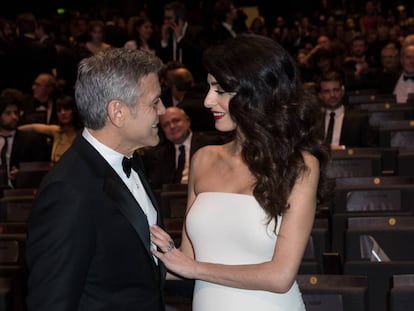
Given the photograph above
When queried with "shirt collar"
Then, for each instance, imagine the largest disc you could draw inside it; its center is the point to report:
(186, 143)
(111, 156)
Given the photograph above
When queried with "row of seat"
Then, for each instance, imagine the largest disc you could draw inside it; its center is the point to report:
(364, 214)
(323, 292)
(368, 162)
(333, 248)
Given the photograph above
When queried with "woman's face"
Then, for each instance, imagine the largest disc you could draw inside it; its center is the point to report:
(64, 114)
(217, 100)
(145, 30)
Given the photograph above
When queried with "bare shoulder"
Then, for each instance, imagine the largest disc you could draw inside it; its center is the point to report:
(312, 164)
(206, 159)
(310, 160)
(207, 153)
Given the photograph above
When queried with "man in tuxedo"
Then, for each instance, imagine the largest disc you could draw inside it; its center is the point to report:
(182, 91)
(17, 146)
(40, 106)
(387, 77)
(88, 242)
(163, 161)
(405, 83)
(342, 127)
(182, 41)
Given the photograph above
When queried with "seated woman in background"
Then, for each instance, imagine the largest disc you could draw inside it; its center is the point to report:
(64, 133)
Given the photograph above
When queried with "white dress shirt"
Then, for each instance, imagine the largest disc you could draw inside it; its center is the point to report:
(133, 183)
(187, 144)
(402, 89)
(339, 118)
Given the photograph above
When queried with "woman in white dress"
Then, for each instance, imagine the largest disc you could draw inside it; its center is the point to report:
(251, 202)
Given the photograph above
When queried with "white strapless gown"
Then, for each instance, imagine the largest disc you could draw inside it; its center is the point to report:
(228, 228)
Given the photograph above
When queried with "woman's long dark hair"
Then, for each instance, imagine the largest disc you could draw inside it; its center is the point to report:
(276, 116)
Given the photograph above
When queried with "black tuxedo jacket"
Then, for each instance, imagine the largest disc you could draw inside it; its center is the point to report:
(160, 160)
(219, 35)
(88, 243)
(356, 131)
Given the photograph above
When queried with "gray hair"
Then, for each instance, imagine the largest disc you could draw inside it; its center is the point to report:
(113, 74)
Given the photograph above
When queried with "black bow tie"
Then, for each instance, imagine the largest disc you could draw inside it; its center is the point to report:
(130, 163)
(408, 77)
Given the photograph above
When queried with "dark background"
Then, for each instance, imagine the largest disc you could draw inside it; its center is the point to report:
(267, 8)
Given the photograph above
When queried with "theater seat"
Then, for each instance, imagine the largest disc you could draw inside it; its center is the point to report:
(402, 292)
(334, 292)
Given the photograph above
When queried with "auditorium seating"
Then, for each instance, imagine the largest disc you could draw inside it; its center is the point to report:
(334, 292)
(402, 292)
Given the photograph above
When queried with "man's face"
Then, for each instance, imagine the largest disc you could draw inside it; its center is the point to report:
(175, 124)
(141, 126)
(390, 59)
(407, 59)
(9, 118)
(169, 17)
(331, 94)
(41, 88)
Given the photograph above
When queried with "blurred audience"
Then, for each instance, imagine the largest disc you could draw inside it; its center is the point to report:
(63, 133)
(142, 36)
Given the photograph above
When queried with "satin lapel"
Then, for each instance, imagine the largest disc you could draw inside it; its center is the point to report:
(148, 188)
(129, 207)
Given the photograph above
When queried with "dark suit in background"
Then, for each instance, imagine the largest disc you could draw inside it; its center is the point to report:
(191, 44)
(160, 161)
(356, 131)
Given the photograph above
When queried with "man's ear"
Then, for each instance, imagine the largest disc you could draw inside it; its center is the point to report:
(116, 112)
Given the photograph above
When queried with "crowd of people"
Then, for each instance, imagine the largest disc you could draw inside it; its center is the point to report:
(93, 92)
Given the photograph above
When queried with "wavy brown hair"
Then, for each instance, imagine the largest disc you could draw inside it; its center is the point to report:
(276, 117)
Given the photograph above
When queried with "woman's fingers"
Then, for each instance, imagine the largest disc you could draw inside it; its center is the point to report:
(162, 239)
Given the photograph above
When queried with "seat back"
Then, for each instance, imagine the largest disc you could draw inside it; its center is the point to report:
(379, 278)
(31, 174)
(334, 292)
(379, 238)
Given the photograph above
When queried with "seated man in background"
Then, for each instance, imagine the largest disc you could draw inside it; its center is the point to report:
(342, 126)
(40, 105)
(168, 162)
(405, 83)
(182, 91)
(391, 68)
(17, 146)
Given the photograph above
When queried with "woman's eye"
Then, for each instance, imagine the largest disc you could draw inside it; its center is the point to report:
(220, 92)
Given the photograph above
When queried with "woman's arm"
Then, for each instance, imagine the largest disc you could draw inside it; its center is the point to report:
(41, 128)
(276, 275)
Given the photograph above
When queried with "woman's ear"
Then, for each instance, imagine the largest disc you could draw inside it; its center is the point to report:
(116, 112)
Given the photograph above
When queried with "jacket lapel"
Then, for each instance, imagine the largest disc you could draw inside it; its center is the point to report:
(124, 200)
(147, 187)
(114, 187)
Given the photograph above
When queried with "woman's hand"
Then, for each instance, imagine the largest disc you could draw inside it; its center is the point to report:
(173, 258)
